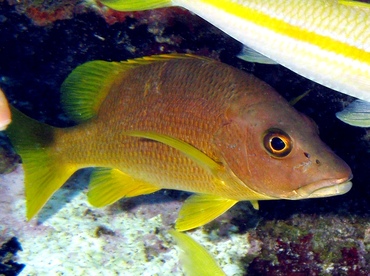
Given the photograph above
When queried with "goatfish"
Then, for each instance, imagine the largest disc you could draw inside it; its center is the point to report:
(326, 41)
(178, 122)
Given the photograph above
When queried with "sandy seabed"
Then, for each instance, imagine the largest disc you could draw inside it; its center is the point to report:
(70, 237)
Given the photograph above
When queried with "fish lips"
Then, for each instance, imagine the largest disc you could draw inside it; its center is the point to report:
(323, 188)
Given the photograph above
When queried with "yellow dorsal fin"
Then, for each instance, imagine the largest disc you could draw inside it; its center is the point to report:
(87, 86)
(136, 5)
(201, 209)
(194, 258)
(109, 185)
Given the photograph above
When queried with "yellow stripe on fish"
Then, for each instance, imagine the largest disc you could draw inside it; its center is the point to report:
(327, 41)
(177, 122)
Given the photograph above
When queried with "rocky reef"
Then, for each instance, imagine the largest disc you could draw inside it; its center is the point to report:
(42, 41)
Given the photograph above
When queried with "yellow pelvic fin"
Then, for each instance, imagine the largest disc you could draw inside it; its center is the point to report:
(255, 204)
(195, 259)
(44, 172)
(109, 185)
(201, 209)
(84, 90)
(136, 5)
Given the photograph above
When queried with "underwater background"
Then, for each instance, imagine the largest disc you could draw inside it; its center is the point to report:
(42, 41)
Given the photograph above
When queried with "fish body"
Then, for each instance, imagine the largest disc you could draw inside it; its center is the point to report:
(326, 41)
(177, 122)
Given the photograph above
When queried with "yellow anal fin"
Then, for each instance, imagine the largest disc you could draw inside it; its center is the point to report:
(136, 5)
(194, 258)
(109, 185)
(201, 209)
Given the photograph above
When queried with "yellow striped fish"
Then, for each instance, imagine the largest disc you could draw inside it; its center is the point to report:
(327, 41)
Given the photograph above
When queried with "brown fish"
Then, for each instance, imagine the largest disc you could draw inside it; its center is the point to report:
(177, 122)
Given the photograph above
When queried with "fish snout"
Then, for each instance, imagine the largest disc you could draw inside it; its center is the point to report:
(324, 188)
(330, 176)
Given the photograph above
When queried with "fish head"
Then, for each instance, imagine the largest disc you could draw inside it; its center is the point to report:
(276, 151)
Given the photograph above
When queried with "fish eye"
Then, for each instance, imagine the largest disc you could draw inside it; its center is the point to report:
(277, 142)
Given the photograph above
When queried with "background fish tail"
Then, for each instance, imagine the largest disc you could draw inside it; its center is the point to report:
(136, 5)
(45, 173)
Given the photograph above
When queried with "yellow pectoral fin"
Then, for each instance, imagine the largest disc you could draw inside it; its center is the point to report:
(194, 258)
(201, 209)
(190, 151)
(109, 185)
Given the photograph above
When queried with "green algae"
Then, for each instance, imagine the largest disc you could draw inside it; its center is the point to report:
(323, 244)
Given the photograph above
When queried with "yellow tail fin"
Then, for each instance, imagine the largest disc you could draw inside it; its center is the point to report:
(44, 173)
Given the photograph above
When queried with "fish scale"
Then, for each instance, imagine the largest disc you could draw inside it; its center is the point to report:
(153, 158)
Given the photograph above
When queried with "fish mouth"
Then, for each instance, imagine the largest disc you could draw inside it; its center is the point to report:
(324, 188)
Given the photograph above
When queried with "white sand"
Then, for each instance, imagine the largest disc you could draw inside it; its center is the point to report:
(64, 242)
